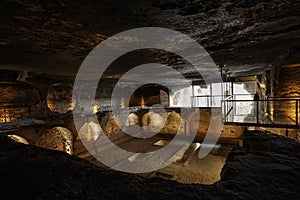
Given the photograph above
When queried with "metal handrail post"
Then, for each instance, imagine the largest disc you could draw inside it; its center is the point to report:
(226, 111)
(207, 100)
(223, 113)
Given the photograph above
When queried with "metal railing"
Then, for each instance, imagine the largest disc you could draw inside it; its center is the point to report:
(207, 101)
(270, 111)
(284, 105)
(227, 107)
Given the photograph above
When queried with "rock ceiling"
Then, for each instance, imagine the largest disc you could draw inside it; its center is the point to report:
(54, 36)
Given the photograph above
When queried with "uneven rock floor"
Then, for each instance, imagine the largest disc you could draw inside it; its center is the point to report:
(268, 167)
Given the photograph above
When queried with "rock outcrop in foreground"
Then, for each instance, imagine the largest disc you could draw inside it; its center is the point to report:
(267, 168)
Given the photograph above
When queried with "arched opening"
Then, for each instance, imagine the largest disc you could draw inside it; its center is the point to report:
(153, 122)
(132, 119)
(150, 94)
(174, 123)
(170, 123)
(18, 139)
(57, 138)
(59, 98)
(90, 131)
(113, 125)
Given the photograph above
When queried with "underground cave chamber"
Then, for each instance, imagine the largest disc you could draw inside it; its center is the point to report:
(255, 49)
(43, 117)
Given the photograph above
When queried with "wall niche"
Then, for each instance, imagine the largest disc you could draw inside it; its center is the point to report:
(59, 98)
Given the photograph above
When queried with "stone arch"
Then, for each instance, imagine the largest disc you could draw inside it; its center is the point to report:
(59, 98)
(18, 139)
(91, 130)
(112, 125)
(148, 95)
(153, 122)
(174, 123)
(57, 138)
(132, 119)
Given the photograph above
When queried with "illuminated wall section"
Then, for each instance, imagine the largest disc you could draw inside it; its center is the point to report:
(201, 95)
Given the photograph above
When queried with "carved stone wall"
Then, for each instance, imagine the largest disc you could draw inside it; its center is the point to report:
(289, 86)
(17, 100)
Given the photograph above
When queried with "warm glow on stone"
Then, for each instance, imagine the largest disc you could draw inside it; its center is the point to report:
(132, 119)
(173, 124)
(57, 138)
(153, 122)
(122, 102)
(18, 139)
(142, 102)
(59, 98)
(90, 131)
(95, 108)
(112, 125)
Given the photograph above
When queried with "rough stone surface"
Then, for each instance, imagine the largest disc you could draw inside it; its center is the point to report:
(260, 172)
(113, 125)
(132, 119)
(201, 127)
(174, 123)
(153, 122)
(14, 93)
(59, 98)
(287, 86)
(57, 138)
(55, 36)
(90, 131)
